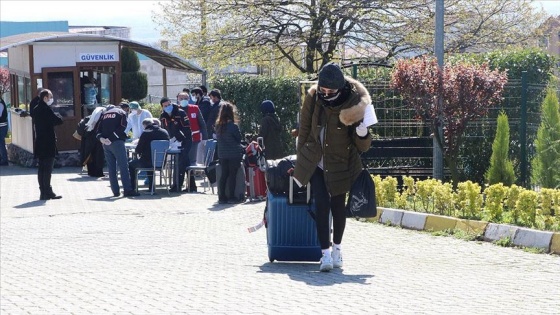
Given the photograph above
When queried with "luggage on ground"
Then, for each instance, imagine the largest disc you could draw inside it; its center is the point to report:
(256, 188)
(291, 230)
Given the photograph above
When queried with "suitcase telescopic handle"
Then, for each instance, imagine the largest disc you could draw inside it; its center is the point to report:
(291, 191)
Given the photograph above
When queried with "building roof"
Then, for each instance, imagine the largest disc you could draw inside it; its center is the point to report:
(166, 59)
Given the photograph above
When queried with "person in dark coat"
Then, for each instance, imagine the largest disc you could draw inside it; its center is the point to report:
(3, 132)
(332, 134)
(44, 147)
(91, 150)
(271, 131)
(175, 121)
(230, 153)
(144, 150)
(110, 133)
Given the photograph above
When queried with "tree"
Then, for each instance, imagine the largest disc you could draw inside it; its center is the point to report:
(467, 91)
(501, 167)
(134, 84)
(546, 163)
(4, 81)
(308, 34)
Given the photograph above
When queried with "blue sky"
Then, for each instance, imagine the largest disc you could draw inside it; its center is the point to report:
(134, 14)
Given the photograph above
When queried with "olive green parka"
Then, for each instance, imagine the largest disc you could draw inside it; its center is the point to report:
(341, 145)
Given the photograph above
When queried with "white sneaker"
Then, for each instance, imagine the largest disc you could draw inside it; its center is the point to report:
(337, 258)
(326, 263)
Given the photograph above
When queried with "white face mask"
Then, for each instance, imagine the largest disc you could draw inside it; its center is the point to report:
(50, 101)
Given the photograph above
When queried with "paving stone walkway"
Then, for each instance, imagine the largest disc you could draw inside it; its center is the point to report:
(90, 253)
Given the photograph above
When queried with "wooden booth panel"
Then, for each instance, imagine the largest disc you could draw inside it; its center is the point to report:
(63, 82)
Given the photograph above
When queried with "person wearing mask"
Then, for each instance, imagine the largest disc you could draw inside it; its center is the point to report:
(203, 103)
(44, 147)
(3, 132)
(175, 121)
(198, 130)
(135, 119)
(230, 153)
(144, 150)
(331, 136)
(270, 131)
(110, 133)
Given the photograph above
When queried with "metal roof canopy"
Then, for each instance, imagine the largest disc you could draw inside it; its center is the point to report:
(168, 60)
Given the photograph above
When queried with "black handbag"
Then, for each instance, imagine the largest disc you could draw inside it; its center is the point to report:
(361, 199)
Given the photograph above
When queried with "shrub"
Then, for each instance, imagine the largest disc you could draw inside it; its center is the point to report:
(493, 205)
(546, 170)
(527, 206)
(469, 199)
(546, 201)
(443, 199)
(134, 84)
(501, 168)
(512, 196)
(248, 92)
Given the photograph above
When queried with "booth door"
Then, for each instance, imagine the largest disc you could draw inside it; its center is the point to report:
(64, 83)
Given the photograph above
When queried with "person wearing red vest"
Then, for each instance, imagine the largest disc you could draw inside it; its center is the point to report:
(198, 129)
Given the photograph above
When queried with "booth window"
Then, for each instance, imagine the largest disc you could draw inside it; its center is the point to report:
(61, 85)
(23, 91)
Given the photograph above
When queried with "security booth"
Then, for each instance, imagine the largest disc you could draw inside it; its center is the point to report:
(83, 71)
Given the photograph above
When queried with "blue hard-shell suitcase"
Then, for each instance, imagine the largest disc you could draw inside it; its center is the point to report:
(291, 230)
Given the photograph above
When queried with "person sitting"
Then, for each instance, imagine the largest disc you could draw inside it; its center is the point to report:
(151, 132)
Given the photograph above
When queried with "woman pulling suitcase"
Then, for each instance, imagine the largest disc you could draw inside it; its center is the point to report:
(331, 136)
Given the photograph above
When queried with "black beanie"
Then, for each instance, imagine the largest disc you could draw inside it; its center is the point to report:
(331, 77)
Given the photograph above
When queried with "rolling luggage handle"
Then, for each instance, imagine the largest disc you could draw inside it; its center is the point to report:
(308, 196)
(291, 191)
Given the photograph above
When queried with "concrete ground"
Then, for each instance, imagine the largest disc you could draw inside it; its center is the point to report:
(91, 253)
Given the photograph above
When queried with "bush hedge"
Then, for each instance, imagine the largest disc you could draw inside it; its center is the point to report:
(497, 203)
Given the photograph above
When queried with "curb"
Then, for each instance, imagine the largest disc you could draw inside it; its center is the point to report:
(519, 236)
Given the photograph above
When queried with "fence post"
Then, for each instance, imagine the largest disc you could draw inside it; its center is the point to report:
(523, 129)
(355, 71)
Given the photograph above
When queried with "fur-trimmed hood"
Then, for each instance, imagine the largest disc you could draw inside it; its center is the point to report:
(355, 113)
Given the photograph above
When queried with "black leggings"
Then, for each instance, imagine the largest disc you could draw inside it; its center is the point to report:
(327, 204)
(228, 178)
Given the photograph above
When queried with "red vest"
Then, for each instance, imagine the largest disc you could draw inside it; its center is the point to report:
(192, 113)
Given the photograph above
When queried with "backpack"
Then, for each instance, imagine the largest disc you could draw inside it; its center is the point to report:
(254, 156)
(278, 174)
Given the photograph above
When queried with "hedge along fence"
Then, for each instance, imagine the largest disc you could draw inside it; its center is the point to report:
(248, 92)
(498, 203)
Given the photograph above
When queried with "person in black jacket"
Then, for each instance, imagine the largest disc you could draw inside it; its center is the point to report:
(175, 121)
(144, 149)
(91, 150)
(44, 147)
(111, 134)
(230, 153)
(3, 132)
(203, 102)
(271, 131)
